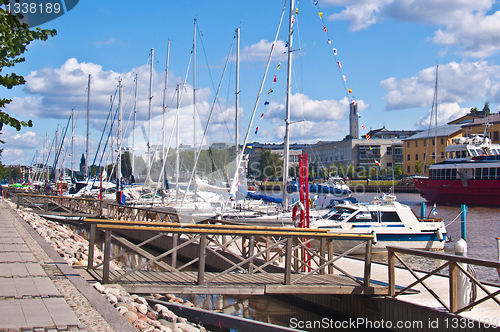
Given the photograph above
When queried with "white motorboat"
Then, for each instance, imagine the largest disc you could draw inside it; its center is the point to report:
(392, 223)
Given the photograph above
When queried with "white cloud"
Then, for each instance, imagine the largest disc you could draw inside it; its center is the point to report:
(261, 50)
(466, 23)
(457, 82)
(446, 112)
(13, 157)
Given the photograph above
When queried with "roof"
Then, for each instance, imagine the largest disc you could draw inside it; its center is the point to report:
(446, 130)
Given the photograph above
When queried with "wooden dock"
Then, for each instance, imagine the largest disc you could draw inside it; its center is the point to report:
(238, 283)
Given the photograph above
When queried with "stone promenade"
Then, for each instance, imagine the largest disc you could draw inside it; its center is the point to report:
(40, 292)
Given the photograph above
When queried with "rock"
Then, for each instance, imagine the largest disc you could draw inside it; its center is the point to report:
(188, 303)
(122, 310)
(140, 324)
(152, 315)
(181, 320)
(100, 288)
(170, 296)
(114, 291)
(141, 300)
(111, 298)
(130, 316)
(186, 327)
(142, 308)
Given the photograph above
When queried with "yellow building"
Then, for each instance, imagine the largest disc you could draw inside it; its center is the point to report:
(427, 147)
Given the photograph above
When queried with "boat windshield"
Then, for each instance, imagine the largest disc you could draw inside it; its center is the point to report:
(338, 214)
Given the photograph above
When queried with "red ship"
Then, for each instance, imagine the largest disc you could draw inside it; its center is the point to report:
(469, 175)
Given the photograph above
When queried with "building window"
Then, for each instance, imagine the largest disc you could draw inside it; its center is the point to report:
(433, 141)
(442, 155)
(408, 157)
(425, 143)
(495, 136)
(407, 144)
(433, 156)
(389, 151)
(425, 155)
(389, 164)
(442, 141)
(416, 156)
(408, 169)
(416, 144)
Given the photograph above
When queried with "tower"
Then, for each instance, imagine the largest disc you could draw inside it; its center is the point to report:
(353, 121)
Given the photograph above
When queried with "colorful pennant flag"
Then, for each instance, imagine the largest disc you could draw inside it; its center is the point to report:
(329, 41)
(286, 44)
(367, 137)
(334, 50)
(296, 11)
(324, 28)
(261, 116)
(434, 210)
(350, 91)
(274, 78)
(269, 92)
(256, 130)
(320, 14)
(266, 103)
(345, 79)
(279, 64)
(340, 65)
(363, 127)
(315, 3)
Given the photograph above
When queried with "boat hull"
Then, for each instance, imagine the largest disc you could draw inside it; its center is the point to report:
(477, 192)
(423, 241)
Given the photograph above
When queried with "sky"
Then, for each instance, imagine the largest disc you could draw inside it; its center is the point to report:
(388, 51)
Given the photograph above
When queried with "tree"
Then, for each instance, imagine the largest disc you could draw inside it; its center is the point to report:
(15, 37)
(486, 108)
(270, 165)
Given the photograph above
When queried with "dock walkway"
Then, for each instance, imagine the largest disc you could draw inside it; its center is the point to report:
(40, 292)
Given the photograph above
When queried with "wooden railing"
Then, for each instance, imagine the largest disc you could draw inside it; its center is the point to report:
(453, 263)
(242, 249)
(68, 204)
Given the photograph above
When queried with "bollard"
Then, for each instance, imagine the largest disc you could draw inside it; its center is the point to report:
(463, 281)
(464, 219)
(422, 210)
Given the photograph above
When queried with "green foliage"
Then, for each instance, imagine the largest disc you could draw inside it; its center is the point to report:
(15, 37)
(270, 165)
(486, 108)
(398, 170)
(419, 166)
(473, 110)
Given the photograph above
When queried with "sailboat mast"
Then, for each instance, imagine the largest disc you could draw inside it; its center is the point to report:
(149, 122)
(119, 142)
(436, 117)
(85, 172)
(286, 147)
(164, 157)
(177, 146)
(72, 141)
(237, 90)
(133, 131)
(194, 92)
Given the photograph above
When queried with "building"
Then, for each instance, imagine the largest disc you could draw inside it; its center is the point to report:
(428, 147)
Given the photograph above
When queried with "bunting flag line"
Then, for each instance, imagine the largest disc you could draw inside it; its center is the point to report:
(367, 137)
(363, 127)
(279, 64)
(334, 50)
(256, 130)
(269, 92)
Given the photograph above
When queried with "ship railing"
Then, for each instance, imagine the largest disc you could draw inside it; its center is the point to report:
(454, 265)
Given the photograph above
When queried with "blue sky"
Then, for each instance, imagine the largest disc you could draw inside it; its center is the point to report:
(388, 50)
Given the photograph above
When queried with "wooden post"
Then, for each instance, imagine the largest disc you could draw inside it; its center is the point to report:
(330, 256)
(250, 254)
(90, 264)
(201, 260)
(18, 200)
(368, 262)
(288, 260)
(46, 204)
(175, 239)
(453, 286)
(322, 252)
(107, 255)
(392, 272)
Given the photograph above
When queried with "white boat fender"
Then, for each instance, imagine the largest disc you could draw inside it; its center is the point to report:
(375, 238)
(439, 233)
